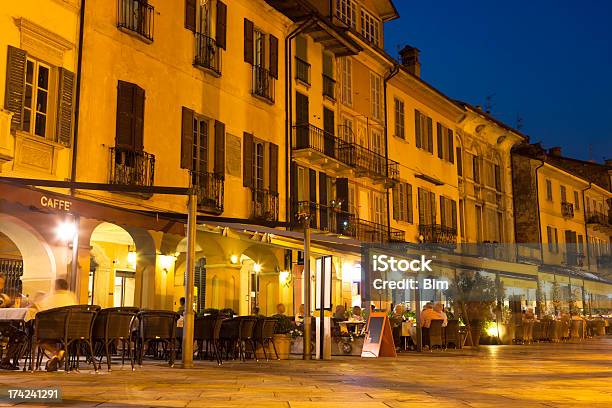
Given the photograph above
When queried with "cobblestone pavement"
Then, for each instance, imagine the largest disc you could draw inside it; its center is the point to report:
(540, 375)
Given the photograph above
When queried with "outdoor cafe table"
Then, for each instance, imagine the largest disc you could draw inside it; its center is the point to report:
(354, 326)
(13, 314)
(12, 319)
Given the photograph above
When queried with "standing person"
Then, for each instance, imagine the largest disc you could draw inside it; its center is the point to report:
(181, 308)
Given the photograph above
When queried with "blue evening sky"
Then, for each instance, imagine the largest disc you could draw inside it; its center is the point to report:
(549, 62)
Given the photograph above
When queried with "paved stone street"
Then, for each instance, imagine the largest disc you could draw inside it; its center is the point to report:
(541, 375)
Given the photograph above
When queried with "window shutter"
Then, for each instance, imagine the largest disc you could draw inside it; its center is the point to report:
(409, 203)
(187, 139)
(273, 56)
(219, 166)
(64, 107)
(422, 203)
(432, 206)
(442, 211)
(190, 14)
(273, 168)
(124, 135)
(248, 42)
(417, 129)
(15, 84)
(498, 180)
(293, 188)
(459, 162)
(221, 35)
(396, 193)
(323, 223)
(440, 142)
(451, 146)
(139, 101)
(454, 214)
(429, 135)
(247, 168)
(312, 185)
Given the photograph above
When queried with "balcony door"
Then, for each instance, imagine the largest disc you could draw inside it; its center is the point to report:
(329, 125)
(200, 150)
(302, 121)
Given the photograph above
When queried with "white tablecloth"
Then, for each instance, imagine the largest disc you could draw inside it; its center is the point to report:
(12, 313)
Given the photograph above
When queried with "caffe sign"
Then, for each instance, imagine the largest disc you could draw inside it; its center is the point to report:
(55, 203)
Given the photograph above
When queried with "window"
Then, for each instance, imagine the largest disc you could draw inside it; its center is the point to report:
(497, 172)
(378, 207)
(200, 148)
(347, 86)
(553, 239)
(402, 202)
(346, 12)
(448, 213)
(376, 95)
(399, 119)
(260, 48)
(303, 184)
(446, 149)
(476, 169)
(423, 131)
(549, 195)
(563, 194)
(36, 98)
(346, 132)
(459, 163)
(370, 27)
(352, 200)
(576, 200)
(258, 165)
(427, 207)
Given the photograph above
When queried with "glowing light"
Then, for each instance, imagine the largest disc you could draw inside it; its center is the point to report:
(234, 259)
(257, 267)
(66, 231)
(491, 329)
(284, 277)
(166, 261)
(131, 258)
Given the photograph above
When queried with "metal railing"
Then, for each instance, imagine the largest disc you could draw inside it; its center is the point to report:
(437, 234)
(302, 70)
(131, 167)
(369, 231)
(263, 83)
(308, 136)
(329, 87)
(207, 54)
(12, 270)
(264, 204)
(327, 218)
(595, 217)
(210, 190)
(136, 16)
(567, 209)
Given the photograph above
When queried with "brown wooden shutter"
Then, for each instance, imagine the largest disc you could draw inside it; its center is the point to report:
(442, 211)
(432, 204)
(323, 214)
(15, 84)
(422, 201)
(451, 146)
(273, 168)
(454, 214)
(312, 185)
(417, 129)
(221, 35)
(190, 14)
(293, 188)
(247, 168)
(409, 202)
(440, 142)
(219, 166)
(138, 117)
(248, 42)
(429, 135)
(64, 107)
(459, 162)
(124, 136)
(396, 193)
(273, 56)
(187, 139)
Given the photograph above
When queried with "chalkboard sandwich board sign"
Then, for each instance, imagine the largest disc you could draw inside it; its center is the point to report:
(379, 338)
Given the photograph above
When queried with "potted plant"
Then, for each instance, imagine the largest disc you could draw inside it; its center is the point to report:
(283, 332)
(473, 295)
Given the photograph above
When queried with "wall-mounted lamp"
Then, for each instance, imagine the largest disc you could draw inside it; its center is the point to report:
(166, 262)
(66, 231)
(131, 257)
(284, 278)
(234, 259)
(256, 267)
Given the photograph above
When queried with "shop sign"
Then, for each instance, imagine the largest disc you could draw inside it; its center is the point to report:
(55, 203)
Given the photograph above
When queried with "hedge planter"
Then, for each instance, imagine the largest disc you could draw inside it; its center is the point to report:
(283, 345)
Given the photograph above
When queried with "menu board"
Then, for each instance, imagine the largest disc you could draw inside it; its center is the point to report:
(379, 338)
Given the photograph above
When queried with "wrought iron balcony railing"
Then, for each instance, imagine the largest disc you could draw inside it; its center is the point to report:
(437, 234)
(302, 70)
(329, 87)
(12, 270)
(264, 205)
(567, 209)
(136, 16)
(131, 167)
(575, 258)
(595, 217)
(210, 191)
(207, 54)
(327, 218)
(263, 83)
(311, 137)
(369, 231)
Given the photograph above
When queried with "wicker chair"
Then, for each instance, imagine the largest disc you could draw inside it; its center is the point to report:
(537, 331)
(208, 328)
(519, 334)
(245, 336)
(435, 334)
(577, 329)
(452, 334)
(554, 331)
(565, 329)
(157, 326)
(263, 334)
(228, 337)
(114, 324)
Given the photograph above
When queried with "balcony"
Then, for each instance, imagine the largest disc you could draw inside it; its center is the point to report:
(207, 54)
(131, 167)
(264, 205)
(438, 234)
(574, 259)
(567, 210)
(599, 220)
(326, 218)
(371, 164)
(263, 84)
(302, 71)
(210, 191)
(329, 87)
(373, 232)
(136, 17)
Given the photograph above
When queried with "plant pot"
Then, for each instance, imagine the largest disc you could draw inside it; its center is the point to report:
(476, 330)
(283, 345)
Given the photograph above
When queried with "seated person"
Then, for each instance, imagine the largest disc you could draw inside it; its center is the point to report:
(280, 309)
(356, 314)
(340, 313)
(438, 308)
(529, 316)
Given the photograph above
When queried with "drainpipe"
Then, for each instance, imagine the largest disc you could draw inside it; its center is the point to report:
(394, 71)
(586, 228)
(289, 108)
(77, 102)
(538, 212)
